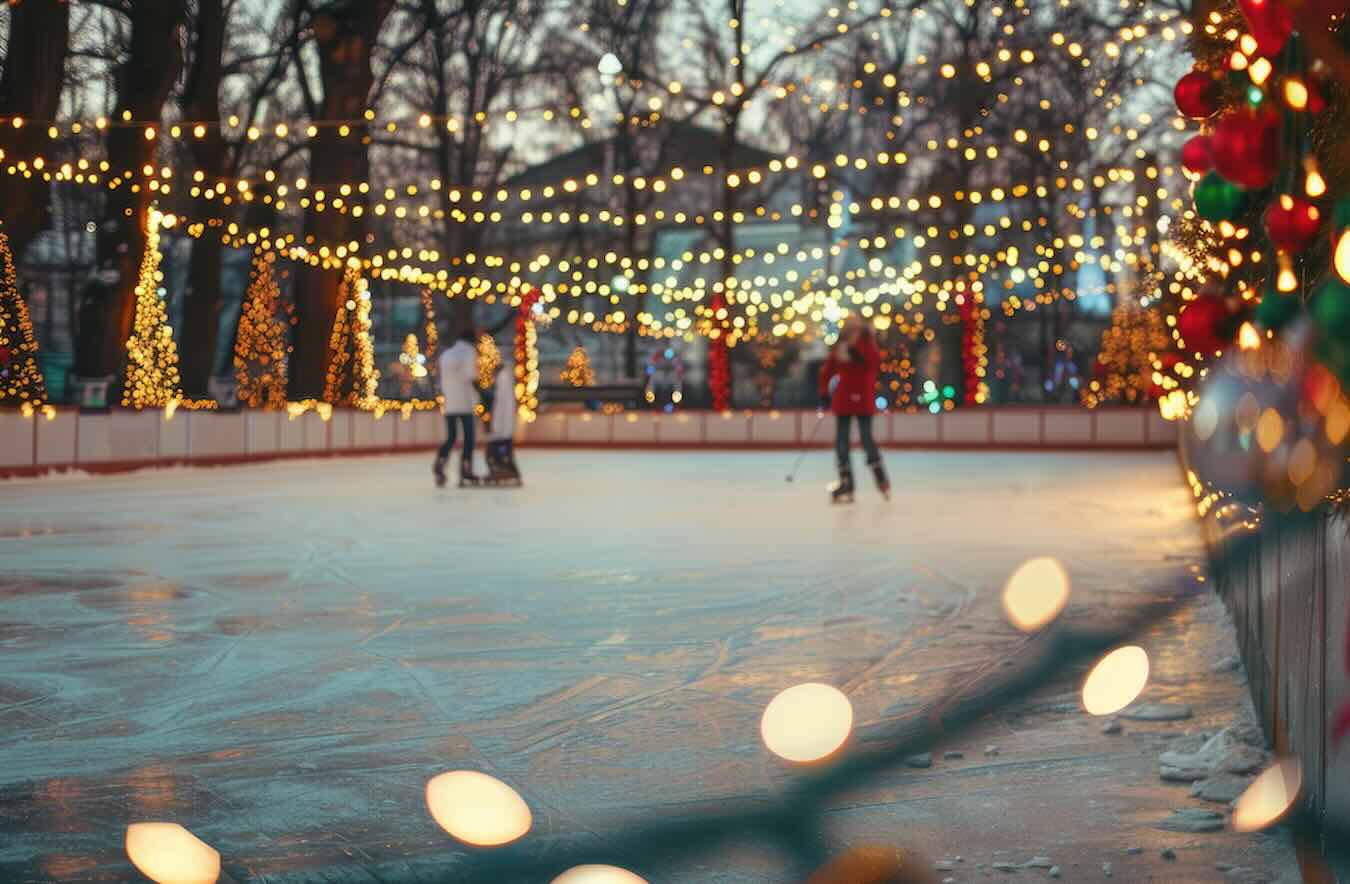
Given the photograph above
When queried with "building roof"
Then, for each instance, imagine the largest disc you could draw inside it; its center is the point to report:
(688, 145)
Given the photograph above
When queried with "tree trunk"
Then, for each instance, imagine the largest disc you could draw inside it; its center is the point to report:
(143, 85)
(201, 103)
(345, 36)
(31, 88)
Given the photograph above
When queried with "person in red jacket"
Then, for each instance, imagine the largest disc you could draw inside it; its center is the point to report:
(848, 382)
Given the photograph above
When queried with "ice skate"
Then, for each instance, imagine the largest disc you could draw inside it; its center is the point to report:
(842, 491)
(467, 477)
(501, 464)
(438, 470)
(883, 481)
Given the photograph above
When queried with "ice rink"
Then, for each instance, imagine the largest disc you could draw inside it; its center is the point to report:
(279, 656)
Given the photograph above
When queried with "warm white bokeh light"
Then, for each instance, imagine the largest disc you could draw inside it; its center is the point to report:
(477, 809)
(1036, 593)
(169, 854)
(1117, 681)
(598, 875)
(1269, 797)
(807, 722)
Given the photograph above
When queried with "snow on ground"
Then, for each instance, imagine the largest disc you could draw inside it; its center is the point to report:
(279, 656)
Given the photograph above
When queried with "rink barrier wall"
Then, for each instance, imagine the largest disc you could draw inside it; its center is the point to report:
(1287, 595)
(128, 440)
(1037, 428)
(123, 440)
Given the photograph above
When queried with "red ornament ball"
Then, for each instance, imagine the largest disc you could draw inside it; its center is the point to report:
(1200, 323)
(1292, 223)
(1197, 155)
(1270, 22)
(5, 356)
(1197, 95)
(1246, 147)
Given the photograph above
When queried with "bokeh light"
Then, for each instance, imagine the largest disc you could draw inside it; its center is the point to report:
(1270, 796)
(1036, 593)
(597, 874)
(169, 854)
(477, 809)
(807, 722)
(1116, 681)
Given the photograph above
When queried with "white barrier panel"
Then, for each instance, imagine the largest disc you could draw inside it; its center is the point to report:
(914, 429)
(682, 428)
(121, 436)
(175, 435)
(291, 434)
(1068, 427)
(1160, 429)
(16, 439)
(428, 428)
(57, 439)
(777, 427)
(218, 434)
(635, 428)
(385, 429)
(1017, 427)
(1120, 427)
(588, 428)
(966, 427)
(264, 431)
(726, 427)
(340, 429)
(316, 431)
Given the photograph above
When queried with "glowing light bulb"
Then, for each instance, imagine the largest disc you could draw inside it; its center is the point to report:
(1342, 256)
(169, 854)
(597, 874)
(1270, 796)
(477, 809)
(807, 722)
(1116, 681)
(1314, 185)
(1248, 337)
(1036, 593)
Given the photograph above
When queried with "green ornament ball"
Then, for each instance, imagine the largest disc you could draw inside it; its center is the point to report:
(1331, 311)
(1217, 199)
(1276, 310)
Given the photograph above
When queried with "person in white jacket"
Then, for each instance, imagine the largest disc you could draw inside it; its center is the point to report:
(458, 369)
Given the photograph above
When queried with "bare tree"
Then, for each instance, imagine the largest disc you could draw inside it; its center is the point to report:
(37, 42)
(345, 35)
(144, 79)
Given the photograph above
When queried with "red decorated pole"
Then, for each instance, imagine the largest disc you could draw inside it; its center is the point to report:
(719, 360)
(972, 346)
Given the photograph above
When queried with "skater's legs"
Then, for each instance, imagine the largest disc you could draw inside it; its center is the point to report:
(466, 460)
(451, 424)
(842, 432)
(869, 444)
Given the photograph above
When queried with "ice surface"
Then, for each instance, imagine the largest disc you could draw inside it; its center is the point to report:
(279, 656)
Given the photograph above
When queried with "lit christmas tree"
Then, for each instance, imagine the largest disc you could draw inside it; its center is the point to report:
(1135, 340)
(260, 349)
(152, 357)
(21, 380)
(489, 358)
(352, 378)
(577, 371)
